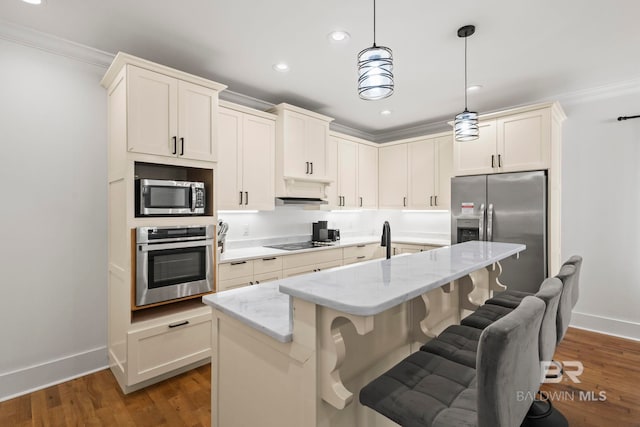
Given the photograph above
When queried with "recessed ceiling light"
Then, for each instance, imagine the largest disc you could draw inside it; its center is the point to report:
(338, 36)
(385, 112)
(33, 1)
(474, 88)
(281, 66)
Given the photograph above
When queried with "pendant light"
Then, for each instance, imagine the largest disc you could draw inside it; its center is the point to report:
(466, 123)
(375, 66)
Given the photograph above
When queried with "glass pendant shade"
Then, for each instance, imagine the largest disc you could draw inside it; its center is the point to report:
(375, 73)
(466, 126)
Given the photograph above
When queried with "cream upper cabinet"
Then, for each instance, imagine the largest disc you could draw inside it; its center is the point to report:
(524, 141)
(170, 117)
(422, 174)
(347, 173)
(353, 164)
(478, 156)
(444, 172)
(367, 176)
(246, 160)
(507, 143)
(429, 164)
(302, 142)
(392, 179)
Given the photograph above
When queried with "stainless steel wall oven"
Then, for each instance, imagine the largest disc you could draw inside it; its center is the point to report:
(173, 262)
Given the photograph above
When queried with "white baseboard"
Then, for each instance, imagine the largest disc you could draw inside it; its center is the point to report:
(52, 372)
(606, 325)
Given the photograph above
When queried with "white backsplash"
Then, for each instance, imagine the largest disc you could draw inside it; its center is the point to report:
(293, 223)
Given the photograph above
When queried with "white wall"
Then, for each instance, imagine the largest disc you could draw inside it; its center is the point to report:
(601, 208)
(53, 234)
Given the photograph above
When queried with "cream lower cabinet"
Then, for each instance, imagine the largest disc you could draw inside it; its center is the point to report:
(407, 248)
(308, 262)
(155, 348)
(249, 272)
(514, 141)
(246, 159)
(360, 253)
(170, 117)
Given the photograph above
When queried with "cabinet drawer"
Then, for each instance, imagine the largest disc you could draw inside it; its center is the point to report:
(165, 347)
(267, 277)
(233, 270)
(267, 265)
(358, 251)
(238, 282)
(311, 258)
(306, 269)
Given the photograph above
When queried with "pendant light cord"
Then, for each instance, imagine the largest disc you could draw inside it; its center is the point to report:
(374, 23)
(465, 72)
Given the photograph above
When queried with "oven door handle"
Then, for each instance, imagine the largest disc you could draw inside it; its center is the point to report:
(143, 247)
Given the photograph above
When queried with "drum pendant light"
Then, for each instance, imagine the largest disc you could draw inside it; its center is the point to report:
(375, 66)
(466, 123)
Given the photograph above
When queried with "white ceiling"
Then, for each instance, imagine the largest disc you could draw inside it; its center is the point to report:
(522, 51)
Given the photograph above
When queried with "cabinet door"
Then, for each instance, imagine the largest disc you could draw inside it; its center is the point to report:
(229, 182)
(392, 181)
(347, 174)
(317, 135)
(422, 162)
(444, 172)
(258, 162)
(152, 112)
(294, 150)
(196, 127)
(474, 157)
(524, 141)
(332, 173)
(367, 176)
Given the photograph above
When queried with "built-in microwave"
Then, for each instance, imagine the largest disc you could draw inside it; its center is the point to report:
(173, 262)
(167, 197)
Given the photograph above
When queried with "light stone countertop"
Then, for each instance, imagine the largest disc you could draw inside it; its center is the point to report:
(360, 289)
(245, 254)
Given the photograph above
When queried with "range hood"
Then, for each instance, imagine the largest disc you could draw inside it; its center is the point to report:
(280, 201)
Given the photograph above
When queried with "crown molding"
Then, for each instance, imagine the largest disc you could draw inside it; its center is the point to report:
(412, 131)
(610, 90)
(245, 100)
(357, 133)
(52, 44)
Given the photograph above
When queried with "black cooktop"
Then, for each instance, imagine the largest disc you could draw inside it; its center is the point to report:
(296, 246)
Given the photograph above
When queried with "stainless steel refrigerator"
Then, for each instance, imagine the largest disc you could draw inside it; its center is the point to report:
(511, 208)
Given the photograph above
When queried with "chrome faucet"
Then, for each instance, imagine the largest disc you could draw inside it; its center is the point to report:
(386, 238)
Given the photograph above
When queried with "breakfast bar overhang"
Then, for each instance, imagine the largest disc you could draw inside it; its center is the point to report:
(295, 352)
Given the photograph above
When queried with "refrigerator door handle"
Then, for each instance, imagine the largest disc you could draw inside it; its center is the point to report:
(481, 223)
(490, 223)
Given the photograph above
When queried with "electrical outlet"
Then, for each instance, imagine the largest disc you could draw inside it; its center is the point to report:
(245, 229)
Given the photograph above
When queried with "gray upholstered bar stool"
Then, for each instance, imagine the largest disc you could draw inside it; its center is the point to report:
(503, 303)
(511, 298)
(425, 389)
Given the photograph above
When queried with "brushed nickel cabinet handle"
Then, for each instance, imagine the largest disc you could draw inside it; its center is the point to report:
(493, 161)
(238, 262)
(435, 200)
(246, 197)
(499, 160)
(269, 259)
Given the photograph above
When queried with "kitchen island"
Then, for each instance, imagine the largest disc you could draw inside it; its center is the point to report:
(295, 352)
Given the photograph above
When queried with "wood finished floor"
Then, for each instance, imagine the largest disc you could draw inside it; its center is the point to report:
(611, 365)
